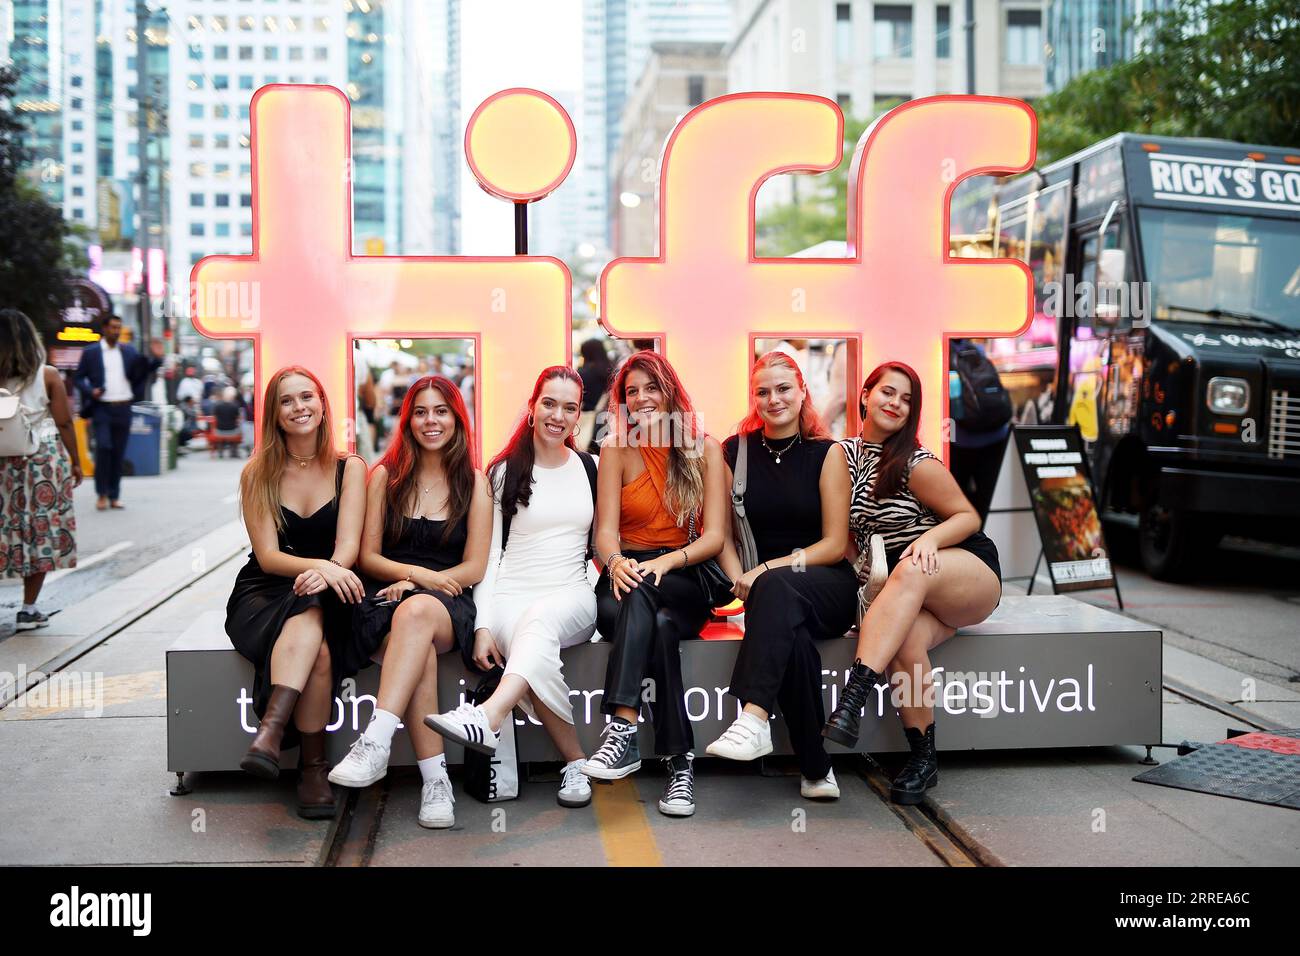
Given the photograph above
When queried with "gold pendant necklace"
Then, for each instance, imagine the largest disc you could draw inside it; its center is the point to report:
(302, 462)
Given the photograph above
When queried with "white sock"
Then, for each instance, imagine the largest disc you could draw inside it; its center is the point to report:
(382, 726)
(753, 720)
(432, 768)
(29, 608)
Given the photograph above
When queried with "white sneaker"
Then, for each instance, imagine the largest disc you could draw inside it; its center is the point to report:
(436, 799)
(468, 726)
(824, 789)
(748, 738)
(365, 763)
(575, 787)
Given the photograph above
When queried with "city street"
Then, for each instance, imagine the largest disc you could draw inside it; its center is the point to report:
(993, 808)
(162, 513)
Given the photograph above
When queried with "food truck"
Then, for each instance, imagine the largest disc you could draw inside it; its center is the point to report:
(1167, 327)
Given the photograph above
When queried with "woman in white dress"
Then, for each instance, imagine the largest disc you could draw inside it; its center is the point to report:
(535, 598)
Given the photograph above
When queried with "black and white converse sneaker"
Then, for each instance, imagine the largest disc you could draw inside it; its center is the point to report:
(618, 756)
(678, 799)
(466, 725)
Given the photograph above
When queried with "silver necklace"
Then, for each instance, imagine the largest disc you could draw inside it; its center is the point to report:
(775, 453)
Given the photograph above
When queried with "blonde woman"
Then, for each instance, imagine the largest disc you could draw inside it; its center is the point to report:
(303, 506)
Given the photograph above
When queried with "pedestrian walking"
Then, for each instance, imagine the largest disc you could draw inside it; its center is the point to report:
(110, 377)
(37, 524)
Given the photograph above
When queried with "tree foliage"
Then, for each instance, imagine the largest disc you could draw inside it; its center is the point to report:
(34, 250)
(820, 209)
(1225, 69)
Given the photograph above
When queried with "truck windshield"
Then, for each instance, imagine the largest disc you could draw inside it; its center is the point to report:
(1222, 267)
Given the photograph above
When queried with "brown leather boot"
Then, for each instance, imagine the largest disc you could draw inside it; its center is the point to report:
(263, 757)
(315, 796)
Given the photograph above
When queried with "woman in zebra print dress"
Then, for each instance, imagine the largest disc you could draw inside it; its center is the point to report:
(944, 571)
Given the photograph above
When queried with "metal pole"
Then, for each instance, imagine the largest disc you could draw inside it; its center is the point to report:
(142, 156)
(970, 46)
(521, 228)
(161, 119)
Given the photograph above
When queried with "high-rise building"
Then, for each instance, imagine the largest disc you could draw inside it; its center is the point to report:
(1085, 35)
(867, 55)
(863, 54)
(397, 60)
(553, 223)
(616, 41)
(678, 77)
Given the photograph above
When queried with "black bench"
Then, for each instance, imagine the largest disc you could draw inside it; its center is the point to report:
(1043, 671)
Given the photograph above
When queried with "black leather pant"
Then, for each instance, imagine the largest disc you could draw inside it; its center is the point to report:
(645, 628)
(778, 666)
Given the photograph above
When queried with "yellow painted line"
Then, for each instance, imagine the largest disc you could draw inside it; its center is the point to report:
(86, 694)
(624, 830)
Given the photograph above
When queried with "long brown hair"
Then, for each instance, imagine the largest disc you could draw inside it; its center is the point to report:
(22, 356)
(684, 494)
(519, 454)
(811, 424)
(259, 483)
(459, 459)
(897, 450)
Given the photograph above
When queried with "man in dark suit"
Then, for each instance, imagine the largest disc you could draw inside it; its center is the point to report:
(110, 377)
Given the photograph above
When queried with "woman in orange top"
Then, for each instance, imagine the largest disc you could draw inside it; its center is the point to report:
(660, 477)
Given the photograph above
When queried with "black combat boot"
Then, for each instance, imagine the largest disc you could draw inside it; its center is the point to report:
(843, 724)
(921, 772)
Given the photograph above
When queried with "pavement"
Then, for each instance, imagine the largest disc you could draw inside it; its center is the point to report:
(89, 786)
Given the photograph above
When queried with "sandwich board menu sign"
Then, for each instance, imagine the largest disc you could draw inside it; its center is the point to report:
(1056, 472)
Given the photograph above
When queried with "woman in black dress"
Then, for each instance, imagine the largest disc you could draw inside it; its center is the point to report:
(303, 506)
(944, 572)
(427, 532)
(802, 590)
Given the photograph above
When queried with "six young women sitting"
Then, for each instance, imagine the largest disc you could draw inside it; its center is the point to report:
(496, 565)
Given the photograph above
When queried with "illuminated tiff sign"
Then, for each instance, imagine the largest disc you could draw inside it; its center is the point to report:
(302, 296)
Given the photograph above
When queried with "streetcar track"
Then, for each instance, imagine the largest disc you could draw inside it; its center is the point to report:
(61, 661)
(952, 845)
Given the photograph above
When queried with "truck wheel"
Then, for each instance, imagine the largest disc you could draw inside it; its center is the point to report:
(1172, 542)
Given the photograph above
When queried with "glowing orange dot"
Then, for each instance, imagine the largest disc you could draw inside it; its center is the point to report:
(520, 144)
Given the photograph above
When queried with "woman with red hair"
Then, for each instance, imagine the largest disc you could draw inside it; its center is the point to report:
(303, 506)
(535, 598)
(425, 545)
(944, 570)
(660, 481)
(799, 589)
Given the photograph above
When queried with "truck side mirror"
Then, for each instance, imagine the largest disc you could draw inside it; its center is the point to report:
(1112, 265)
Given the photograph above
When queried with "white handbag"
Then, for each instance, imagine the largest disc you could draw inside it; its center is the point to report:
(872, 568)
(17, 437)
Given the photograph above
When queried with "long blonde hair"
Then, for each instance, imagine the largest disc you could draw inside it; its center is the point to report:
(684, 491)
(259, 484)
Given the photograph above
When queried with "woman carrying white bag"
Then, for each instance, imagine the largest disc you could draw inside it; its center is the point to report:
(37, 524)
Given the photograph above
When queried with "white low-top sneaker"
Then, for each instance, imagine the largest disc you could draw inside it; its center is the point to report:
(468, 726)
(748, 738)
(824, 789)
(575, 787)
(366, 763)
(436, 799)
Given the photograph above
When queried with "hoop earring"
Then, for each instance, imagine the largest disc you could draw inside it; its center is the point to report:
(530, 419)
